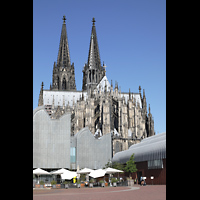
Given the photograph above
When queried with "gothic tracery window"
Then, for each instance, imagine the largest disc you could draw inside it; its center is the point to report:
(64, 84)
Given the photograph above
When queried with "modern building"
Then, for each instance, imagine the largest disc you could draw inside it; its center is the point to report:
(150, 158)
(51, 140)
(54, 147)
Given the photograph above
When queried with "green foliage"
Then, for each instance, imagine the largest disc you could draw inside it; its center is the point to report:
(101, 181)
(82, 177)
(115, 165)
(109, 164)
(78, 181)
(130, 165)
(66, 182)
(91, 180)
(113, 180)
(41, 182)
(53, 182)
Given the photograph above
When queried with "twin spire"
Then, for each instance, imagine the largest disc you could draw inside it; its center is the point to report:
(93, 72)
(94, 60)
(63, 70)
(63, 59)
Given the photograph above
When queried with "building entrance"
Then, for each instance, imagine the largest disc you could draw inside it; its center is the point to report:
(139, 174)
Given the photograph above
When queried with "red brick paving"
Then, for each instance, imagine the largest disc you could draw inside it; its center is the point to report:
(149, 192)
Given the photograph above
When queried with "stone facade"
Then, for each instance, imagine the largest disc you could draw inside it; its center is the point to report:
(63, 72)
(99, 106)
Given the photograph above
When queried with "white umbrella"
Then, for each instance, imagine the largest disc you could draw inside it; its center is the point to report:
(97, 173)
(112, 170)
(39, 171)
(60, 171)
(68, 175)
(85, 171)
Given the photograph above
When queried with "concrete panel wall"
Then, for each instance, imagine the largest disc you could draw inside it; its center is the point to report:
(51, 140)
(91, 152)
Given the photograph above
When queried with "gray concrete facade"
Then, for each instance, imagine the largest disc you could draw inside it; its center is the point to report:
(92, 152)
(51, 140)
(54, 147)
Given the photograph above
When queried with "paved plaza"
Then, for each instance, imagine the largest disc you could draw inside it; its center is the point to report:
(149, 192)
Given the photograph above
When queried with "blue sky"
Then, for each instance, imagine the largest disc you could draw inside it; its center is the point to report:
(132, 43)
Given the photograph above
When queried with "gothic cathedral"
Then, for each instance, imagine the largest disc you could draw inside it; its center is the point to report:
(99, 106)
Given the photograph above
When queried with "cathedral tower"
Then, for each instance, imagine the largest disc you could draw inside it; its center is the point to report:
(99, 106)
(93, 72)
(63, 71)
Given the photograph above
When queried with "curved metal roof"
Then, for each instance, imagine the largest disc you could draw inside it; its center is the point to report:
(151, 148)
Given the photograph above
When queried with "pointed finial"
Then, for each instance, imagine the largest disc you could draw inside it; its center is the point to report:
(139, 89)
(105, 69)
(54, 65)
(93, 20)
(40, 101)
(149, 109)
(116, 84)
(64, 18)
(143, 93)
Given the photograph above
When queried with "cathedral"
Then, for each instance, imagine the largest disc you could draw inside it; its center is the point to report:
(100, 105)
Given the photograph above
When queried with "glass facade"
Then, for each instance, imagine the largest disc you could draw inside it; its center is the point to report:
(155, 164)
(72, 154)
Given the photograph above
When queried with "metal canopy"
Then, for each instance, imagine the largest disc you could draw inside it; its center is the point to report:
(151, 148)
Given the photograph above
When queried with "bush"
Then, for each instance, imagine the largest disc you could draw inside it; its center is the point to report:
(53, 182)
(66, 182)
(101, 181)
(91, 180)
(113, 180)
(41, 182)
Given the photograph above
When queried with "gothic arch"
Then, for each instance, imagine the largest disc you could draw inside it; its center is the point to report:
(58, 81)
(64, 84)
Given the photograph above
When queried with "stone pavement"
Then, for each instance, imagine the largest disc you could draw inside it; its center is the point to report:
(149, 192)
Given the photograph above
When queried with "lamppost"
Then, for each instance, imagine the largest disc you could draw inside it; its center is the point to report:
(152, 177)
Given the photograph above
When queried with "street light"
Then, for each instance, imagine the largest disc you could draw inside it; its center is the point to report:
(152, 177)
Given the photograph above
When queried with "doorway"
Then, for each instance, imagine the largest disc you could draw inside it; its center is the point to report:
(139, 174)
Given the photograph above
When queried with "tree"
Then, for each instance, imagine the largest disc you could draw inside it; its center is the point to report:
(115, 165)
(118, 166)
(130, 165)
